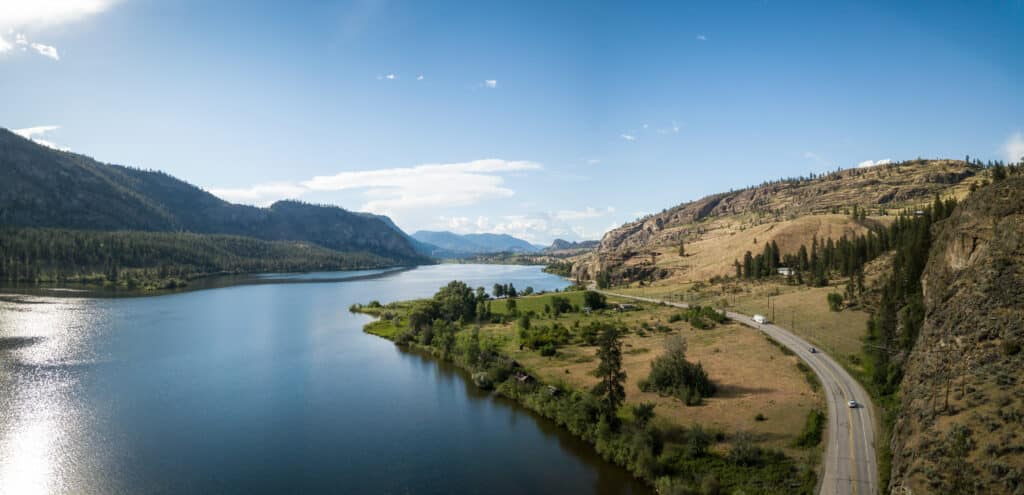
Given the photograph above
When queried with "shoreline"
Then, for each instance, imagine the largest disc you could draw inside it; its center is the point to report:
(200, 283)
(563, 404)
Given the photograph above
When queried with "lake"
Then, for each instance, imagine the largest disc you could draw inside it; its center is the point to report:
(268, 387)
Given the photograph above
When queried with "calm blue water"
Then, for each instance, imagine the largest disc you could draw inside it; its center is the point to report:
(266, 388)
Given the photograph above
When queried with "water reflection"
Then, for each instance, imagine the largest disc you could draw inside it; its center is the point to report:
(38, 390)
(263, 389)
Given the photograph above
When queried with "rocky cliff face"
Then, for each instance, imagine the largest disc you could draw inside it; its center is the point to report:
(887, 188)
(960, 427)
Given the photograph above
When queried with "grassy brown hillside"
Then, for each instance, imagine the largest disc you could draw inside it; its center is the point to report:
(718, 229)
(960, 427)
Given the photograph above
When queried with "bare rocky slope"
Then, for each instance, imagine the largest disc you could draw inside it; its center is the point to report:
(960, 427)
(719, 228)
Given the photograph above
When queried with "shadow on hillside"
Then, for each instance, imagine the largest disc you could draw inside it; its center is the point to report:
(726, 391)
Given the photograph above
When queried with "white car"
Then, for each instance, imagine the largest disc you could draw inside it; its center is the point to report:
(853, 404)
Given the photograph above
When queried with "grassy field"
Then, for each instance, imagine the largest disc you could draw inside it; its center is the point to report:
(736, 358)
(756, 422)
(803, 310)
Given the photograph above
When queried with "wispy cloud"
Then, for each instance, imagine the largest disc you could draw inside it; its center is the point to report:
(45, 13)
(419, 77)
(588, 212)
(628, 137)
(389, 189)
(873, 163)
(593, 161)
(46, 50)
(490, 83)
(39, 15)
(1014, 148)
(701, 37)
(673, 129)
(387, 77)
(32, 132)
(817, 159)
(21, 41)
(534, 227)
(450, 184)
(260, 194)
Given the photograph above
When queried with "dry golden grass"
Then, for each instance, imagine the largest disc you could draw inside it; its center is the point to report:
(725, 241)
(803, 310)
(753, 375)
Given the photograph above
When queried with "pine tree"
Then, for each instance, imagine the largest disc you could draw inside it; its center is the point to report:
(610, 390)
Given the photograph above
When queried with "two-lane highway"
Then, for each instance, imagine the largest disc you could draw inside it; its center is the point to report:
(850, 465)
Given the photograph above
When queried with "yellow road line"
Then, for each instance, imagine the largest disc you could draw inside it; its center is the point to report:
(849, 414)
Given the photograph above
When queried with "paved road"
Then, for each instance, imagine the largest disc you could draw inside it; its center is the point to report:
(850, 463)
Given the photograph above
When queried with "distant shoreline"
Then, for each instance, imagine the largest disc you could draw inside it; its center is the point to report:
(203, 282)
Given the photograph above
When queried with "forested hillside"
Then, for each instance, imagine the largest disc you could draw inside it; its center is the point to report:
(42, 187)
(156, 260)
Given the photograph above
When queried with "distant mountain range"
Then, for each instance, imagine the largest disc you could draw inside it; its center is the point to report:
(451, 245)
(42, 187)
(45, 188)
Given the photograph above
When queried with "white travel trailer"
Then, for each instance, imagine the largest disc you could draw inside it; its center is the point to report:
(760, 320)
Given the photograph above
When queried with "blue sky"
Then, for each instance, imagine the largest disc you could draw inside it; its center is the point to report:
(538, 119)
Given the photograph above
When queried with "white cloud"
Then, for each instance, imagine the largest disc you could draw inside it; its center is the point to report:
(32, 132)
(430, 185)
(491, 83)
(674, 129)
(593, 161)
(46, 13)
(23, 42)
(389, 77)
(701, 37)
(627, 137)
(873, 163)
(538, 227)
(38, 15)
(588, 212)
(1014, 148)
(419, 77)
(46, 51)
(260, 194)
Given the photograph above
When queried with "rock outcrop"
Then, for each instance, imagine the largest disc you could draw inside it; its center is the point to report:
(960, 427)
(887, 188)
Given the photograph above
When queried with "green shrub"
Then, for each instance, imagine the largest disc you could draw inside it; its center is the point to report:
(835, 301)
(811, 434)
(595, 300)
(672, 374)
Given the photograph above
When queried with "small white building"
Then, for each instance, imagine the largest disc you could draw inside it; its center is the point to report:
(785, 271)
(760, 319)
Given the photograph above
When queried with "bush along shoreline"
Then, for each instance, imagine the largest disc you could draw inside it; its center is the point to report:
(671, 459)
